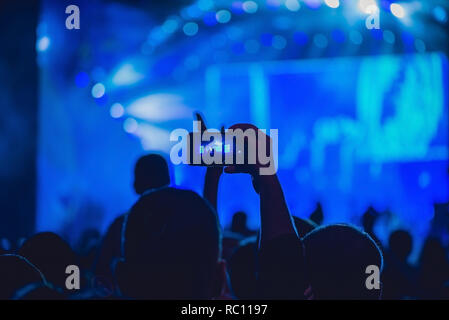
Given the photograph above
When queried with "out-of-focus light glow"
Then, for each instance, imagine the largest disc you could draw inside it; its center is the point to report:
(440, 14)
(389, 36)
(153, 138)
(332, 3)
(355, 37)
(170, 26)
(420, 46)
(368, 6)
(98, 90)
(223, 16)
(190, 28)
(320, 41)
(250, 6)
(205, 5)
(126, 75)
(424, 179)
(159, 107)
(192, 62)
(292, 5)
(313, 4)
(82, 79)
(117, 110)
(130, 125)
(279, 42)
(43, 44)
(397, 10)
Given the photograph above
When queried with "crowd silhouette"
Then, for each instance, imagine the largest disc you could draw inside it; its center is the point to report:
(170, 245)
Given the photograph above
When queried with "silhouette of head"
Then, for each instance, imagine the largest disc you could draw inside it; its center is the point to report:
(51, 255)
(242, 271)
(171, 248)
(336, 260)
(16, 272)
(303, 226)
(238, 224)
(151, 171)
(400, 243)
(369, 218)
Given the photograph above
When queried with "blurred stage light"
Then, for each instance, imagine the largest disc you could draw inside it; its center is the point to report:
(234, 33)
(320, 40)
(397, 10)
(82, 79)
(332, 3)
(192, 62)
(159, 107)
(313, 4)
(279, 42)
(43, 44)
(130, 125)
(250, 6)
(153, 138)
(366, 6)
(424, 179)
(420, 46)
(205, 5)
(292, 5)
(98, 90)
(126, 75)
(355, 37)
(273, 4)
(191, 12)
(223, 16)
(117, 110)
(440, 14)
(237, 7)
(389, 36)
(170, 26)
(190, 28)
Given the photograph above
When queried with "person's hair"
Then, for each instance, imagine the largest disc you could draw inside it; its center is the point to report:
(304, 226)
(242, 271)
(336, 260)
(238, 223)
(151, 171)
(51, 255)
(171, 247)
(16, 272)
(400, 243)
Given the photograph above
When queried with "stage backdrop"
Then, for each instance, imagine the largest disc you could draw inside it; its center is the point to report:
(353, 132)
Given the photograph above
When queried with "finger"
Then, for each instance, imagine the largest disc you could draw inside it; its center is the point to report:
(200, 119)
(231, 169)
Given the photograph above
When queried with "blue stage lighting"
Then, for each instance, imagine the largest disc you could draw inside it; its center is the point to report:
(250, 6)
(223, 16)
(190, 28)
(43, 44)
(292, 5)
(98, 90)
(82, 79)
(117, 110)
(320, 40)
